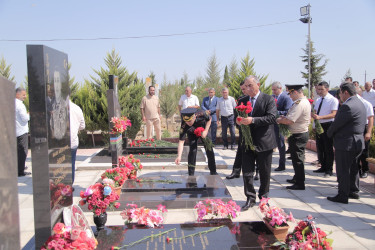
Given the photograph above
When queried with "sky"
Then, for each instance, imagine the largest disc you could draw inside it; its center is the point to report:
(270, 31)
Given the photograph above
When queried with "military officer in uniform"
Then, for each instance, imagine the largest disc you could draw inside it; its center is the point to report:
(192, 119)
(298, 119)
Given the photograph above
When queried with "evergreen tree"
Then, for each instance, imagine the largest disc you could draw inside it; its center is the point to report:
(130, 93)
(247, 69)
(213, 73)
(317, 71)
(168, 100)
(72, 85)
(226, 79)
(152, 76)
(233, 68)
(347, 74)
(5, 69)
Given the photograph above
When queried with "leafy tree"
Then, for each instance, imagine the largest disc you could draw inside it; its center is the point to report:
(72, 85)
(247, 69)
(130, 93)
(317, 71)
(5, 69)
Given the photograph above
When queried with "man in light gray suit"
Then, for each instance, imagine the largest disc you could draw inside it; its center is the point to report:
(347, 132)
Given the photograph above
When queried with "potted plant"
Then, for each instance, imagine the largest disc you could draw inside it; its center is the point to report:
(216, 208)
(132, 164)
(306, 235)
(99, 198)
(275, 219)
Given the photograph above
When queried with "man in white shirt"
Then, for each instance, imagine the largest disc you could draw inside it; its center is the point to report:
(225, 107)
(361, 161)
(22, 130)
(77, 122)
(369, 94)
(326, 107)
(188, 100)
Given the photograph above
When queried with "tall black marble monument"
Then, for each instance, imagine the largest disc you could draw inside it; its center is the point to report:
(9, 217)
(114, 110)
(50, 137)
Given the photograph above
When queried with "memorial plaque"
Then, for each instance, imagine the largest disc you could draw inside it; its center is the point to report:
(50, 137)
(114, 110)
(9, 215)
(221, 235)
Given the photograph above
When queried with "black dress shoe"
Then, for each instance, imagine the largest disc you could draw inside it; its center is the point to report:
(354, 196)
(249, 203)
(291, 181)
(296, 187)
(320, 170)
(289, 157)
(328, 174)
(363, 175)
(24, 174)
(232, 176)
(280, 169)
(214, 173)
(339, 199)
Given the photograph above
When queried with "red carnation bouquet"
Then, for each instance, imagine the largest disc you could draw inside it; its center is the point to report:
(207, 141)
(318, 127)
(243, 112)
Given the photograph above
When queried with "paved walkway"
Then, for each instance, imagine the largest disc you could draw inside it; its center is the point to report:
(352, 225)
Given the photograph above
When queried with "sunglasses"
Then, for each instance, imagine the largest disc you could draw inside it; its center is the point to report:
(290, 91)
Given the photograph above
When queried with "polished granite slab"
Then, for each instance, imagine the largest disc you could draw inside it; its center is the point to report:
(184, 194)
(230, 235)
(104, 157)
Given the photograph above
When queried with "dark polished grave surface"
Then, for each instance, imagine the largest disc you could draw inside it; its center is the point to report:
(233, 235)
(154, 150)
(104, 157)
(184, 194)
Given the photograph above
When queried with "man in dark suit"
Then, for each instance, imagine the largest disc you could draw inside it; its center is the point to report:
(261, 122)
(283, 104)
(209, 106)
(347, 132)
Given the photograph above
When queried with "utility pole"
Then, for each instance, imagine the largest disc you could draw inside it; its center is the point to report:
(305, 12)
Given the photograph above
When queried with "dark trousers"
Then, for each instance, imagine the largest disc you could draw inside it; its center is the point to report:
(297, 145)
(192, 156)
(73, 152)
(22, 148)
(280, 146)
(361, 162)
(264, 160)
(347, 172)
(325, 145)
(212, 132)
(237, 165)
(225, 123)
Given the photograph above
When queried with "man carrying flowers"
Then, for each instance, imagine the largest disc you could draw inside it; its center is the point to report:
(260, 122)
(195, 122)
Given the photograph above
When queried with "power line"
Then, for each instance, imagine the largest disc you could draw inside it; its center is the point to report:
(144, 36)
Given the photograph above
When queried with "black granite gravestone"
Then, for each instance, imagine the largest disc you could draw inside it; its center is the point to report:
(224, 235)
(50, 137)
(9, 217)
(114, 110)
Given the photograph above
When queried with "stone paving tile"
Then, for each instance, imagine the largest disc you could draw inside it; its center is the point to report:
(366, 238)
(345, 241)
(350, 224)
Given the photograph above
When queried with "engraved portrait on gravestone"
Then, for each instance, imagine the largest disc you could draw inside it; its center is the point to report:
(59, 109)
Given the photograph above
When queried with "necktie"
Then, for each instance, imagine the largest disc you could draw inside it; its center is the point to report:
(252, 103)
(320, 106)
(209, 103)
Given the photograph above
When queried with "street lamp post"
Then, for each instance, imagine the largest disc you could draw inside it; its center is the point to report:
(305, 12)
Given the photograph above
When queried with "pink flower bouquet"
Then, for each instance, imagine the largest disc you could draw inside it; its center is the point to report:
(210, 209)
(69, 238)
(274, 215)
(132, 164)
(143, 216)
